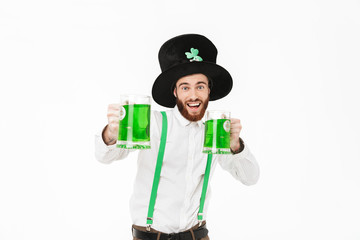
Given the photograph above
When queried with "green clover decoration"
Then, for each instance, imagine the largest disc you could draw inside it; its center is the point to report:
(193, 55)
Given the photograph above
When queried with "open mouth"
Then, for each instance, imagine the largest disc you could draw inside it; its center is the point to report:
(194, 106)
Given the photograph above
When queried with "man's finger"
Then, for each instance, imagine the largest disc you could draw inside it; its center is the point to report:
(234, 120)
(113, 114)
(114, 106)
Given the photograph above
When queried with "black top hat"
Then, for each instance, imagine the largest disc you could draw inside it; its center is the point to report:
(185, 55)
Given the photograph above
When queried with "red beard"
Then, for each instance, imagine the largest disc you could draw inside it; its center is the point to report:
(187, 115)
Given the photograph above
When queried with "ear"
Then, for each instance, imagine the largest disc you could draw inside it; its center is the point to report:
(175, 92)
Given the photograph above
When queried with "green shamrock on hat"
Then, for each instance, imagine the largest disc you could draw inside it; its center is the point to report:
(194, 55)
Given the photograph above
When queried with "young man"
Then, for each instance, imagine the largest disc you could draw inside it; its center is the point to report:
(190, 78)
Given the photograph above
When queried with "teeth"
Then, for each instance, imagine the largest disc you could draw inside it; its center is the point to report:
(194, 104)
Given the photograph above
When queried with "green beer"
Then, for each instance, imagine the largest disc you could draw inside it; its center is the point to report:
(134, 126)
(217, 136)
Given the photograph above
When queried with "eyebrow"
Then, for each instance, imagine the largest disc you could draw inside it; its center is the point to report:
(201, 83)
(185, 83)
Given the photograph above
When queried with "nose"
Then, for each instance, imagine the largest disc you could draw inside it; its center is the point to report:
(193, 95)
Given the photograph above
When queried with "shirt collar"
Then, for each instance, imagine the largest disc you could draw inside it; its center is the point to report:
(183, 121)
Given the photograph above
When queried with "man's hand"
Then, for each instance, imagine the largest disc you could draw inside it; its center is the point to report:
(235, 134)
(110, 132)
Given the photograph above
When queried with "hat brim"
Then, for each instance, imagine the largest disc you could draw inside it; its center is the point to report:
(162, 90)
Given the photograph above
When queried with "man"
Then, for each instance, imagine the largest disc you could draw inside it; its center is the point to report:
(190, 78)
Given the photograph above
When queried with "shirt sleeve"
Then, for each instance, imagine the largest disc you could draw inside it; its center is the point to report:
(108, 154)
(242, 166)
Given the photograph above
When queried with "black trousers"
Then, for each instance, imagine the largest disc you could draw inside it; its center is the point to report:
(160, 233)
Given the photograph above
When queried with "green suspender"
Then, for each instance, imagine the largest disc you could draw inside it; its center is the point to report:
(203, 193)
(149, 219)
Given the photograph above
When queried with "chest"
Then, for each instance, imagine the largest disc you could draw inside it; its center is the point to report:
(183, 151)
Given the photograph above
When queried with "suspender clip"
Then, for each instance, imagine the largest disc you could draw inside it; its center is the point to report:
(200, 223)
(200, 218)
(149, 222)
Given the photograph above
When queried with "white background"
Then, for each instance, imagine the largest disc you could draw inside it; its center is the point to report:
(295, 66)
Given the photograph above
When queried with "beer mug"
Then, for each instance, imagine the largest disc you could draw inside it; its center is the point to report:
(217, 132)
(134, 124)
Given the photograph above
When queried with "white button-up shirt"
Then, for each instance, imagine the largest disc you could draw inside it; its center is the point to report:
(182, 173)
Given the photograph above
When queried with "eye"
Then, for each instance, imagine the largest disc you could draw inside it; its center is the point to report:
(201, 87)
(184, 88)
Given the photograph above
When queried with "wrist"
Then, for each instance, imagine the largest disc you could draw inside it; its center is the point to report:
(238, 148)
(106, 136)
